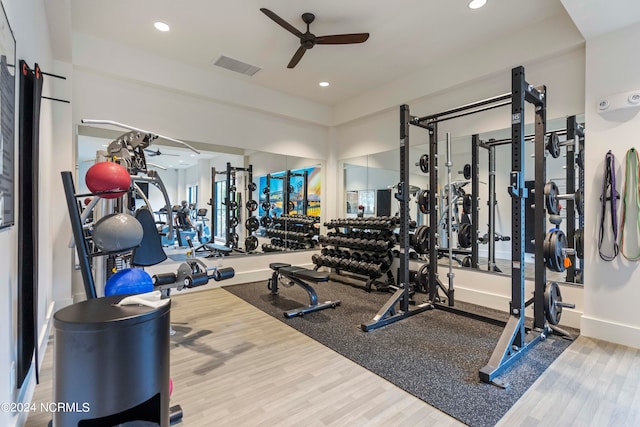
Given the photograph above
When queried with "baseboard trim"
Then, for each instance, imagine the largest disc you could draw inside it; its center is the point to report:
(613, 332)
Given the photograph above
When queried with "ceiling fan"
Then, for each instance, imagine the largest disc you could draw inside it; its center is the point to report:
(154, 153)
(309, 40)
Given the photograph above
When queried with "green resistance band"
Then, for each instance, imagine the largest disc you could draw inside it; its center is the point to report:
(631, 182)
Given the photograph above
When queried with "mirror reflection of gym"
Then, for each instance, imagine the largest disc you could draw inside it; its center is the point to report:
(188, 178)
(493, 256)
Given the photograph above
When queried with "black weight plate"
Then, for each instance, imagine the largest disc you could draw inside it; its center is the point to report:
(466, 261)
(233, 222)
(266, 206)
(464, 235)
(266, 221)
(422, 277)
(580, 159)
(553, 146)
(466, 204)
(466, 171)
(550, 194)
(579, 202)
(424, 163)
(579, 242)
(252, 205)
(252, 186)
(266, 190)
(552, 303)
(252, 223)
(251, 243)
(423, 201)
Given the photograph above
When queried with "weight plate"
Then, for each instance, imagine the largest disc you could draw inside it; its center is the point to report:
(579, 242)
(550, 197)
(466, 204)
(423, 201)
(252, 205)
(552, 303)
(251, 243)
(466, 261)
(233, 222)
(553, 146)
(580, 159)
(579, 202)
(424, 163)
(252, 223)
(422, 277)
(252, 186)
(266, 190)
(466, 171)
(464, 235)
(554, 244)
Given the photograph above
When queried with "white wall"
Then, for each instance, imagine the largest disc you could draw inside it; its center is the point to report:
(28, 22)
(611, 289)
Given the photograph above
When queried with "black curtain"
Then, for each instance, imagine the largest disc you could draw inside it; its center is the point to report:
(29, 126)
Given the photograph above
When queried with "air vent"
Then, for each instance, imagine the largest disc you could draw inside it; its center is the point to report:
(235, 65)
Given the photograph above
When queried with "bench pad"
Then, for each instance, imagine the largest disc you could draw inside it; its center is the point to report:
(305, 274)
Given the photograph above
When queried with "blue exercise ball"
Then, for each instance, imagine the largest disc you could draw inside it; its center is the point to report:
(128, 281)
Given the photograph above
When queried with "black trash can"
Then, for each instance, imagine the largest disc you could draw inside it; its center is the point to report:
(111, 364)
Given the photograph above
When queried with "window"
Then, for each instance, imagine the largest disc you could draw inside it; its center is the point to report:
(220, 210)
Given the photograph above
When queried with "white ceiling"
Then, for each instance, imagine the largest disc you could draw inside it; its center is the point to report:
(405, 36)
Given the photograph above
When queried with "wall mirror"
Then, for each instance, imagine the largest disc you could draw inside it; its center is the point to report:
(377, 173)
(225, 191)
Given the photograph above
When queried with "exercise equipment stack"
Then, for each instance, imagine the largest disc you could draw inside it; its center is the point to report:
(563, 251)
(291, 232)
(362, 246)
(232, 200)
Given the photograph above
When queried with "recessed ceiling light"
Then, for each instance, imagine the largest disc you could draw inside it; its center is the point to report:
(477, 4)
(324, 84)
(169, 166)
(161, 26)
(193, 155)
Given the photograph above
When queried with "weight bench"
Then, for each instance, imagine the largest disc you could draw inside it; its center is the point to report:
(298, 275)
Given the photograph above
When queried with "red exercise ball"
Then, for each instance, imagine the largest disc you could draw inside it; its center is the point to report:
(108, 176)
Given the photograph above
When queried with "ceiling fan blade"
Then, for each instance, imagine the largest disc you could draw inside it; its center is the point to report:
(296, 57)
(343, 38)
(284, 24)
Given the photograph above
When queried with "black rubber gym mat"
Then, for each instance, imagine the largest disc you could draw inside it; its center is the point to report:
(433, 355)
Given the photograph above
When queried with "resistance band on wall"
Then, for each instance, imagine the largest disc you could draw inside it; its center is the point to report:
(631, 186)
(609, 194)
(29, 131)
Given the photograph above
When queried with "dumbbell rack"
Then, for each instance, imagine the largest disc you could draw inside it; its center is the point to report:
(360, 246)
(291, 232)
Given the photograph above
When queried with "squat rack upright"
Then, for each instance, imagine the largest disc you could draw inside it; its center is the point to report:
(514, 341)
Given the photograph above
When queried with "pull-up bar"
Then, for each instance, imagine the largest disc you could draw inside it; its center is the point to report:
(438, 117)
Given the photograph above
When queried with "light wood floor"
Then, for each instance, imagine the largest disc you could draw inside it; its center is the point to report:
(237, 366)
